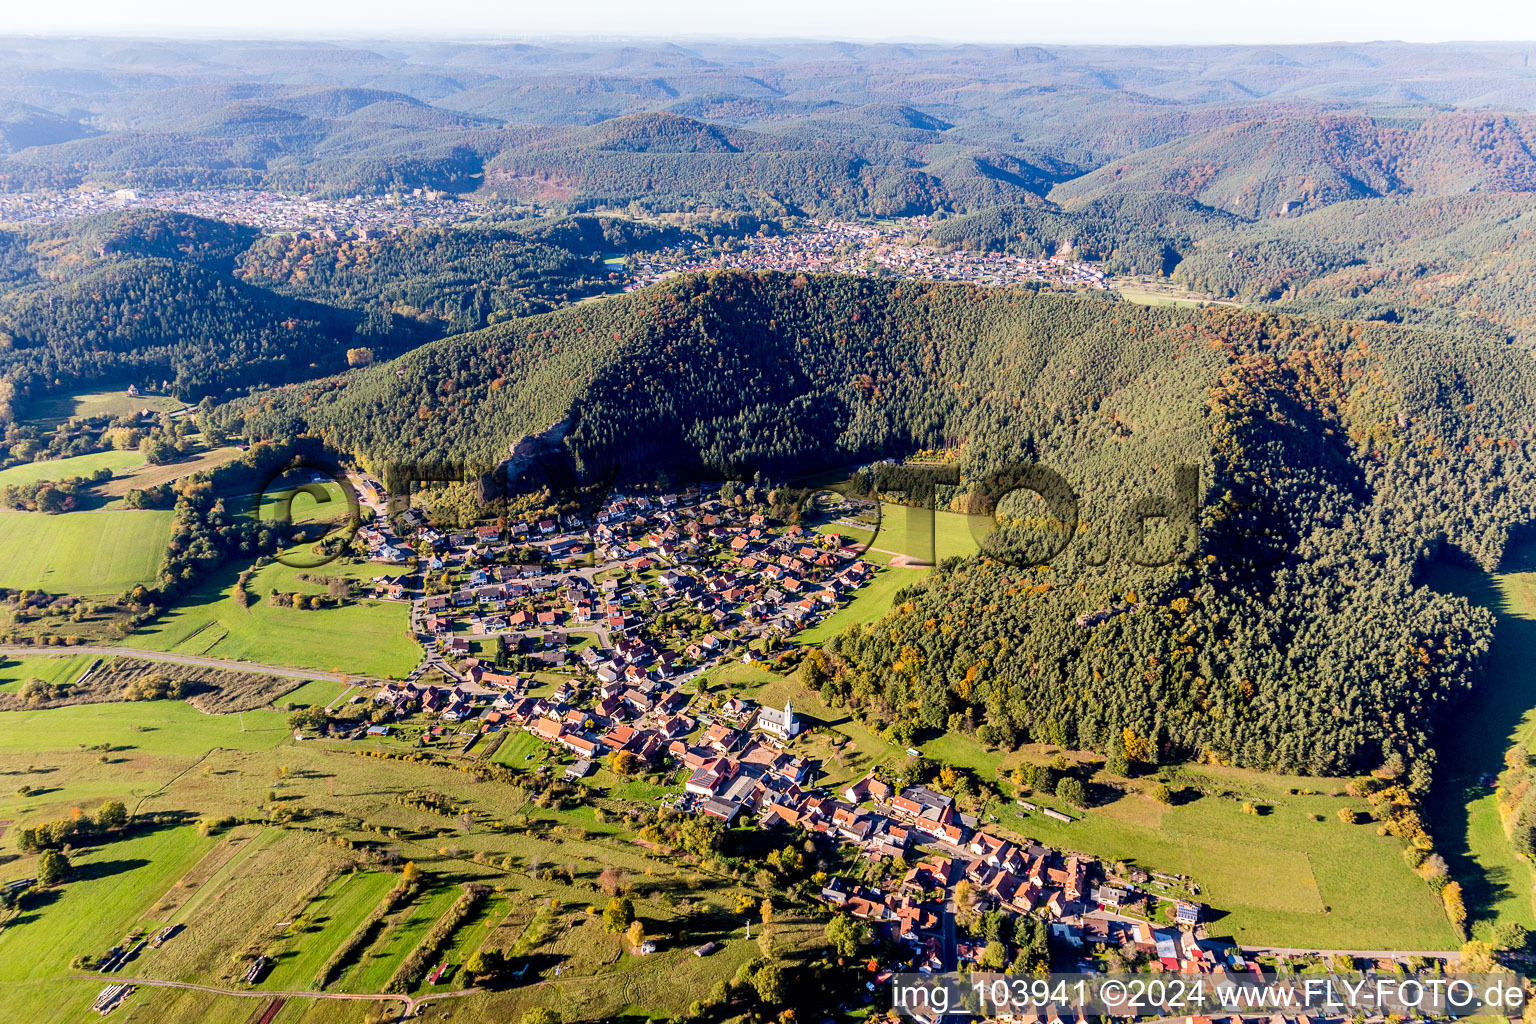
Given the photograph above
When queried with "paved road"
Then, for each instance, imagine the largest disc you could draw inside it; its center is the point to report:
(411, 1002)
(951, 949)
(195, 660)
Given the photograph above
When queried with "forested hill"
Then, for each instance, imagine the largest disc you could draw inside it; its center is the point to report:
(213, 308)
(1272, 167)
(1452, 262)
(1365, 448)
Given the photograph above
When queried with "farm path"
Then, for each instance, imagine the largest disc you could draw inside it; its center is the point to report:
(195, 660)
(411, 1002)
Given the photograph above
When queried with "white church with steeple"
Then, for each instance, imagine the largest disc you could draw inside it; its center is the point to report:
(779, 724)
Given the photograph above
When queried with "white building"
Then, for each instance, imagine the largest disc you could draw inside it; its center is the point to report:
(780, 724)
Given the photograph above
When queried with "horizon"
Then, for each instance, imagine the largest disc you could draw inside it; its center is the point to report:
(166, 33)
(980, 22)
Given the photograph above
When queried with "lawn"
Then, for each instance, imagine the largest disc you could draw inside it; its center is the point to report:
(1500, 713)
(514, 751)
(366, 637)
(85, 553)
(78, 465)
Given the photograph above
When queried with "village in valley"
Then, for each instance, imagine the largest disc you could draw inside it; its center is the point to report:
(513, 526)
(880, 250)
(633, 610)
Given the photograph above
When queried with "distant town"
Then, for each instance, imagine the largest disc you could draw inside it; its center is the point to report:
(839, 247)
(269, 211)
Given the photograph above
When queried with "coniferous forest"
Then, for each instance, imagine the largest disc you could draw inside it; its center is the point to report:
(1333, 458)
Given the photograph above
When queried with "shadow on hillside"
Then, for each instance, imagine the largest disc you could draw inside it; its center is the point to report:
(1474, 737)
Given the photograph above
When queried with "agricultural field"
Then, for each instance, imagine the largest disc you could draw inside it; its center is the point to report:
(114, 885)
(1280, 877)
(297, 892)
(1162, 293)
(84, 553)
(316, 693)
(119, 462)
(402, 932)
(368, 637)
(905, 531)
(1502, 712)
(146, 475)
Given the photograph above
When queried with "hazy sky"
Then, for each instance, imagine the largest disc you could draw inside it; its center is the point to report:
(1057, 21)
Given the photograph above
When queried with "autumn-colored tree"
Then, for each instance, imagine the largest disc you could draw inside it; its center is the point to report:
(1136, 748)
(964, 898)
(618, 914)
(1477, 957)
(1455, 908)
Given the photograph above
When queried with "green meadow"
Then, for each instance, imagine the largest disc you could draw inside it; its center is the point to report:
(1501, 712)
(53, 670)
(910, 531)
(113, 885)
(51, 410)
(78, 465)
(326, 923)
(166, 727)
(868, 603)
(85, 553)
(296, 890)
(309, 503)
(366, 637)
(1279, 877)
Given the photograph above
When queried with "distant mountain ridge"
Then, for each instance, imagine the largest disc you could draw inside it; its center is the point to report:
(819, 128)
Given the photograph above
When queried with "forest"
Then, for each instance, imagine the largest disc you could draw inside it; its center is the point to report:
(1369, 411)
(212, 309)
(1351, 452)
